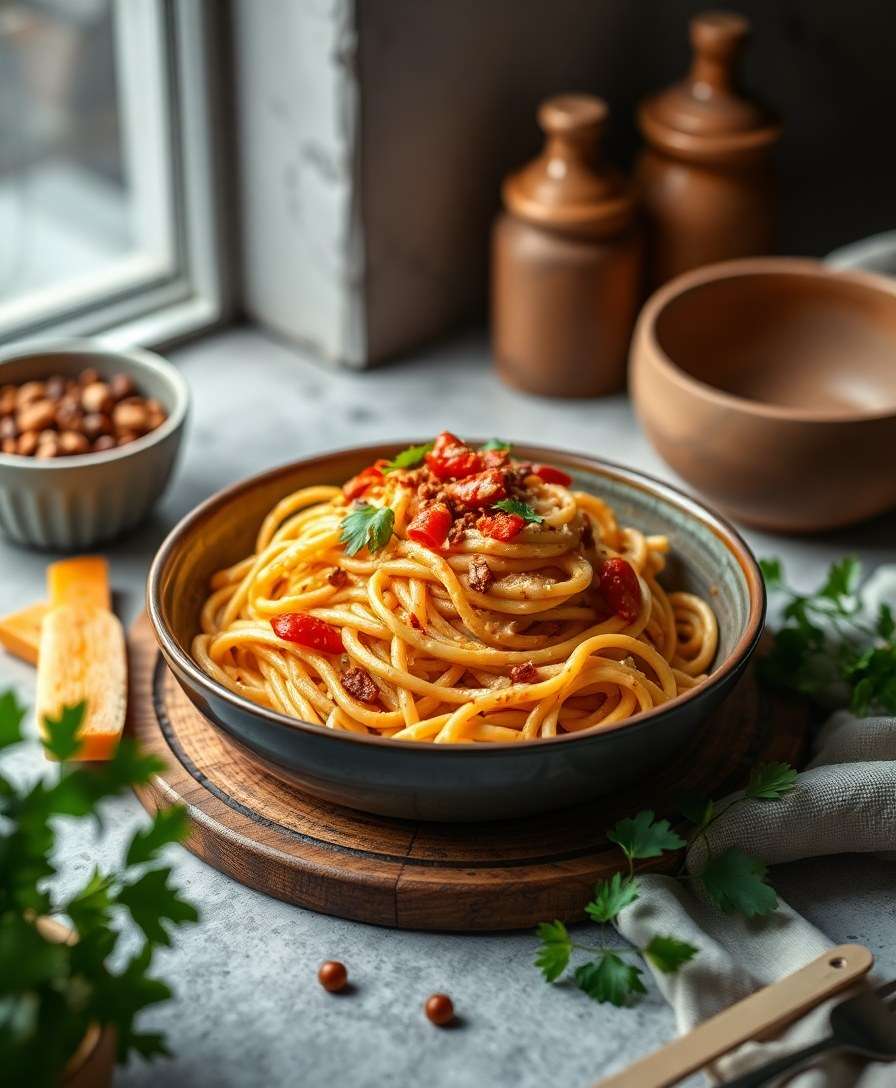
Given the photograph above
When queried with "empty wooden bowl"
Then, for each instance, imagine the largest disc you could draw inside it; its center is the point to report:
(769, 384)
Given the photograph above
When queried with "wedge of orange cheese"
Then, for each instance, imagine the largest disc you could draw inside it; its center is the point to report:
(20, 632)
(82, 655)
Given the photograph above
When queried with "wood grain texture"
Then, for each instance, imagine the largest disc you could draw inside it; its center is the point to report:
(509, 874)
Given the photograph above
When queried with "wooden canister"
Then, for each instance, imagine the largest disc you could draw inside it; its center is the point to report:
(705, 178)
(566, 262)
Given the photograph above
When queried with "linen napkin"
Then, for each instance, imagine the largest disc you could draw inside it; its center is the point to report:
(844, 801)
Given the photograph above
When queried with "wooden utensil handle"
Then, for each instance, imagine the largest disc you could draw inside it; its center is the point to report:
(761, 1013)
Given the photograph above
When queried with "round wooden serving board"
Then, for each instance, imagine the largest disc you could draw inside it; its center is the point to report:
(508, 874)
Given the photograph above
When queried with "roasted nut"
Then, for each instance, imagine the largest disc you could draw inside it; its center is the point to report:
(9, 445)
(130, 415)
(8, 427)
(439, 1009)
(68, 415)
(121, 386)
(29, 393)
(104, 442)
(55, 387)
(70, 443)
(96, 397)
(7, 400)
(333, 976)
(46, 436)
(27, 443)
(155, 414)
(125, 437)
(88, 376)
(36, 416)
(95, 424)
(48, 449)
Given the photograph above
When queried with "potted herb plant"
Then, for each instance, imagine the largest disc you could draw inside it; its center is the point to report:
(70, 995)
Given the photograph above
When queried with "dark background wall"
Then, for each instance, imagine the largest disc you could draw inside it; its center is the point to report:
(449, 95)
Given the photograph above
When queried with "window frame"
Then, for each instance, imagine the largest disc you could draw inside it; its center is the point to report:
(152, 306)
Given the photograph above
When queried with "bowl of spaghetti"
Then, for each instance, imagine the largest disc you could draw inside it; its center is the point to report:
(456, 630)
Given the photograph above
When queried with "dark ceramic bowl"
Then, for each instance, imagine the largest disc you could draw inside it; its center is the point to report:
(458, 781)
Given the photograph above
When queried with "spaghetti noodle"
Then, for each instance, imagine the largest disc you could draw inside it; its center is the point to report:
(453, 595)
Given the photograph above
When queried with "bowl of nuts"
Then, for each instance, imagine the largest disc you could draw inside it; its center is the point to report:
(88, 440)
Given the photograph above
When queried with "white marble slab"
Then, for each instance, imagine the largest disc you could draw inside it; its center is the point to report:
(249, 1010)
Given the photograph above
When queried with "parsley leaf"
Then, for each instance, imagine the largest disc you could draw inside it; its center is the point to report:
(771, 781)
(610, 979)
(735, 882)
(151, 901)
(523, 509)
(772, 572)
(168, 825)
(495, 444)
(50, 993)
(643, 837)
(367, 526)
(842, 580)
(60, 740)
(409, 458)
(886, 625)
(667, 954)
(610, 896)
(11, 714)
(554, 951)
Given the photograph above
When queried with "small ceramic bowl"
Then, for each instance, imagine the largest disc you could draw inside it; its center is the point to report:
(76, 502)
(874, 254)
(769, 384)
(456, 782)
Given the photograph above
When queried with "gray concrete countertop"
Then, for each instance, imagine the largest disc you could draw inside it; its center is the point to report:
(248, 1009)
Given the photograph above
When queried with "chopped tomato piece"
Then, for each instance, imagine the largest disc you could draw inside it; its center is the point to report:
(357, 485)
(451, 459)
(551, 475)
(500, 526)
(495, 458)
(484, 489)
(620, 588)
(430, 527)
(308, 631)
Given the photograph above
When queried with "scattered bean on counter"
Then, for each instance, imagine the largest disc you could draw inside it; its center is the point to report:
(439, 1009)
(332, 975)
(62, 417)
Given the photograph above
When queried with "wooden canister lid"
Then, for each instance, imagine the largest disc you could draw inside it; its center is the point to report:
(568, 187)
(706, 117)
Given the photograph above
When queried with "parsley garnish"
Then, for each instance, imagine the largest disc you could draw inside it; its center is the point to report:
(828, 647)
(51, 993)
(495, 444)
(523, 509)
(409, 458)
(733, 880)
(367, 526)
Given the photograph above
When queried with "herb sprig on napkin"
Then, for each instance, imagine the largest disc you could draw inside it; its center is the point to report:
(732, 880)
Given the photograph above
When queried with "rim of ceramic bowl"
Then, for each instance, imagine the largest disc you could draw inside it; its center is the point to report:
(722, 529)
(751, 266)
(149, 360)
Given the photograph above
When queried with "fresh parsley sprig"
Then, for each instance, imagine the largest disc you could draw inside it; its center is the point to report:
(50, 993)
(495, 444)
(367, 526)
(828, 647)
(408, 458)
(734, 882)
(522, 509)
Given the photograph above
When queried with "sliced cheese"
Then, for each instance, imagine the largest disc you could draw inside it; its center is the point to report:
(83, 658)
(20, 631)
(83, 579)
